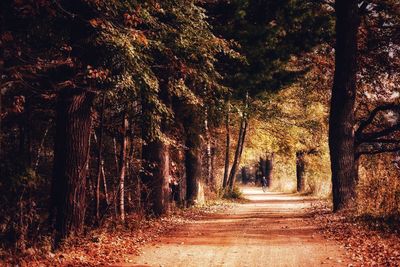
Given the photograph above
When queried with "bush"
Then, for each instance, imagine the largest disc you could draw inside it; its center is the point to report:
(378, 190)
(234, 194)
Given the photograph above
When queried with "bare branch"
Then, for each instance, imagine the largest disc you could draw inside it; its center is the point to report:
(368, 137)
(378, 151)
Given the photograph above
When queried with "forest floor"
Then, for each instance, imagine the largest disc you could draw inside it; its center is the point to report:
(271, 229)
(266, 229)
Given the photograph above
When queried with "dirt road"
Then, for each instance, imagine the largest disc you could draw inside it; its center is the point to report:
(270, 230)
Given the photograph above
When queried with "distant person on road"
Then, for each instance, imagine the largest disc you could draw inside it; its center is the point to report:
(264, 183)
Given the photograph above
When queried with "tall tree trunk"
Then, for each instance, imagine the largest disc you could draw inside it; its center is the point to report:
(41, 146)
(213, 182)
(122, 165)
(341, 120)
(100, 166)
(356, 166)
(261, 171)
(193, 174)
(117, 169)
(25, 133)
(192, 158)
(103, 174)
(155, 159)
(245, 177)
(238, 153)
(232, 185)
(227, 147)
(300, 169)
(240, 144)
(155, 156)
(130, 167)
(28, 132)
(208, 154)
(246, 124)
(71, 156)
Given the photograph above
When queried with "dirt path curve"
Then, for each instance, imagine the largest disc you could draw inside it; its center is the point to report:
(268, 231)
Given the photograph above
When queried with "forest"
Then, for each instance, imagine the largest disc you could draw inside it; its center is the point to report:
(117, 115)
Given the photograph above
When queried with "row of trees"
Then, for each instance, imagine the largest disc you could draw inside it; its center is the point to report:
(127, 89)
(133, 94)
(106, 106)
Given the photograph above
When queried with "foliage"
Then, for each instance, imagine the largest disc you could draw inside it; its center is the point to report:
(236, 193)
(378, 192)
(175, 68)
(268, 34)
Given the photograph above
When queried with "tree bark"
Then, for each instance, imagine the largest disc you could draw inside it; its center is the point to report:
(300, 169)
(71, 156)
(103, 174)
(210, 179)
(25, 137)
(117, 169)
(41, 146)
(238, 153)
(100, 157)
(155, 156)
(227, 147)
(245, 175)
(124, 137)
(213, 182)
(192, 158)
(341, 120)
(155, 160)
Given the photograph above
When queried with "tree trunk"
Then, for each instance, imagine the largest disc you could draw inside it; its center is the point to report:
(155, 161)
(208, 154)
(40, 148)
(155, 156)
(192, 158)
(117, 169)
(240, 144)
(300, 169)
(227, 147)
(213, 182)
(261, 170)
(103, 174)
(238, 153)
(245, 176)
(100, 157)
(25, 134)
(193, 174)
(122, 165)
(71, 156)
(341, 120)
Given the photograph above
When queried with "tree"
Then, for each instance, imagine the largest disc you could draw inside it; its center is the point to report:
(71, 157)
(227, 147)
(352, 136)
(341, 120)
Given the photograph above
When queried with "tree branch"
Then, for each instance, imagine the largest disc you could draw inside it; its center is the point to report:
(370, 137)
(360, 137)
(378, 151)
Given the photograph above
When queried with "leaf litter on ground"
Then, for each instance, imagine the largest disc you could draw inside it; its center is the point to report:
(368, 241)
(112, 243)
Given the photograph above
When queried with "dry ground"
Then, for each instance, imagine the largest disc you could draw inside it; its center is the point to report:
(271, 229)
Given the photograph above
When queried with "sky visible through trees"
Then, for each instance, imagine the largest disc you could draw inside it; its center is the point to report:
(117, 112)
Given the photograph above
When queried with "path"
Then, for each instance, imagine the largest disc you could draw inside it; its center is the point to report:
(268, 231)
